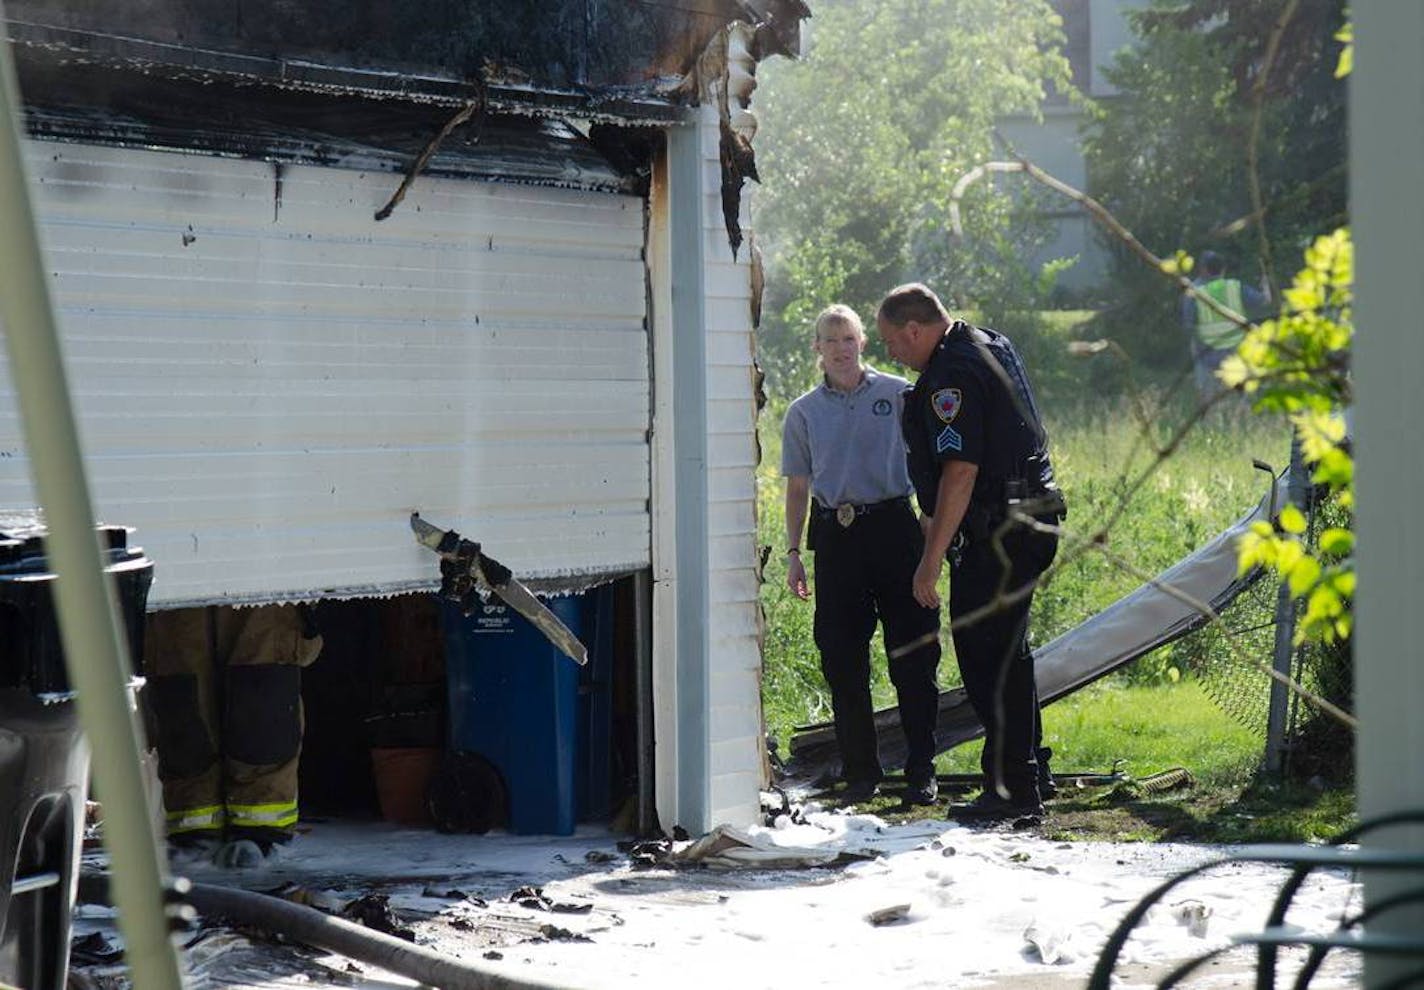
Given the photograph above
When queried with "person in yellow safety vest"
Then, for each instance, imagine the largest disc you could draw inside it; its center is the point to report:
(224, 697)
(1213, 336)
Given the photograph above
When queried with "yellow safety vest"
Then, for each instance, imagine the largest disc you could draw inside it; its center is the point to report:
(1215, 332)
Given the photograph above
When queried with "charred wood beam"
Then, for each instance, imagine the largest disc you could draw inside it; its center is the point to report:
(464, 114)
(628, 105)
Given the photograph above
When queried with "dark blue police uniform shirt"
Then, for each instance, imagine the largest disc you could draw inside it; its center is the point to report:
(961, 410)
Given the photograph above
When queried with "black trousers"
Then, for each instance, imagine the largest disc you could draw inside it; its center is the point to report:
(864, 573)
(995, 661)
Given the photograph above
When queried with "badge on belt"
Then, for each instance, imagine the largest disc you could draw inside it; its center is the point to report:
(845, 515)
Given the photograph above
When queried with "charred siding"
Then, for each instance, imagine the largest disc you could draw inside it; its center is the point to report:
(557, 43)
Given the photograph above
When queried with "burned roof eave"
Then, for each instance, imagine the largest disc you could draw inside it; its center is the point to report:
(530, 159)
(622, 105)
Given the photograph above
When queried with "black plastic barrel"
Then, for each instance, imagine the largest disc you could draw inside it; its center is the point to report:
(44, 762)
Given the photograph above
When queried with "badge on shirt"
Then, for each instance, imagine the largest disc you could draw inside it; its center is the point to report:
(946, 403)
(881, 407)
(948, 439)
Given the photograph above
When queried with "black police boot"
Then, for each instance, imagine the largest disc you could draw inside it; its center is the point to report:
(1047, 786)
(921, 792)
(858, 791)
(990, 807)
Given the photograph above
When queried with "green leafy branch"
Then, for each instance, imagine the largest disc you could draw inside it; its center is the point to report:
(1298, 364)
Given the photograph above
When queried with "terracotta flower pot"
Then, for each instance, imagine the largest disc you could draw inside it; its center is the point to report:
(402, 778)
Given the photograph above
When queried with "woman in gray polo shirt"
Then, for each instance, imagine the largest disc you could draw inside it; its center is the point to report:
(842, 450)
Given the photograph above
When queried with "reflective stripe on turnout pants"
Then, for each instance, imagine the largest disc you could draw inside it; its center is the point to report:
(224, 695)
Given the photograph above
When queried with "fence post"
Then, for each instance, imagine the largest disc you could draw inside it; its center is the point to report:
(1277, 746)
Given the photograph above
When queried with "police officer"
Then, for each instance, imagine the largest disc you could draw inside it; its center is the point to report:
(978, 457)
(841, 447)
(224, 693)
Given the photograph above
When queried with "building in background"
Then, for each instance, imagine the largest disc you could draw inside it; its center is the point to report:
(1095, 31)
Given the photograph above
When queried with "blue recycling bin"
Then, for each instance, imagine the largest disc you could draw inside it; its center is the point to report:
(514, 700)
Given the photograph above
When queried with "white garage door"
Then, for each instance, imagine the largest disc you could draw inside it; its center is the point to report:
(269, 382)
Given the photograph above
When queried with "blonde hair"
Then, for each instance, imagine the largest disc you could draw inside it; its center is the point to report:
(839, 313)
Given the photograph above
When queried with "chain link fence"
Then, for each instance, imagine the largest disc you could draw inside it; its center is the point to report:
(1230, 661)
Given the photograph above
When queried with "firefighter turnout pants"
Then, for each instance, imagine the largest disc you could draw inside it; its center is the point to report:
(224, 697)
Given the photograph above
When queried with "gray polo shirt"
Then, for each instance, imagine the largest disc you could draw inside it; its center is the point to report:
(848, 443)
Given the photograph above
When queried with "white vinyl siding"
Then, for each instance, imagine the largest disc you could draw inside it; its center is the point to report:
(735, 720)
(269, 382)
(706, 621)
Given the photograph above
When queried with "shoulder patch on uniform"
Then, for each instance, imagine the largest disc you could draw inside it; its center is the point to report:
(948, 439)
(881, 407)
(946, 403)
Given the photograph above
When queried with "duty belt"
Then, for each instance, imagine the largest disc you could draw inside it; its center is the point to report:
(1041, 503)
(847, 512)
(983, 517)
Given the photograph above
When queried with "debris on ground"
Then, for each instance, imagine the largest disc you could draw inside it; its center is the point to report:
(729, 847)
(647, 852)
(453, 894)
(224, 958)
(888, 915)
(955, 907)
(778, 810)
(533, 898)
(554, 933)
(323, 900)
(374, 911)
(1194, 915)
(1052, 943)
(94, 948)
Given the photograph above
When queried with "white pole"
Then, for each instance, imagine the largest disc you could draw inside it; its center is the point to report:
(94, 639)
(1386, 147)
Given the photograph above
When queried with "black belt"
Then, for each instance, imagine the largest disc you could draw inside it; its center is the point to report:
(983, 517)
(1046, 504)
(847, 513)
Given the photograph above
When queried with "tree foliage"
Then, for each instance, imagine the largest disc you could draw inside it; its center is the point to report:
(1298, 364)
(862, 142)
(1219, 96)
(1172, 154)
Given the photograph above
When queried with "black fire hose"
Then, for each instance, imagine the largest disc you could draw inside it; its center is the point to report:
(312, 927)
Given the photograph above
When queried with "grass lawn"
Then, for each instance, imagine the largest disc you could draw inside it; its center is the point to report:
(1149, 728)
(1141, 730)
